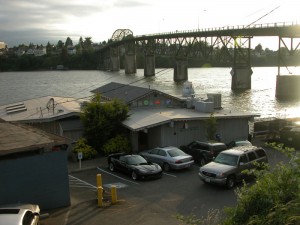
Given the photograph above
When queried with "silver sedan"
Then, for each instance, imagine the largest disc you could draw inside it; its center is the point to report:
(168, 158)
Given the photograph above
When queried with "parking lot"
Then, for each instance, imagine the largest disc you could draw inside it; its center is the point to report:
(143, 202)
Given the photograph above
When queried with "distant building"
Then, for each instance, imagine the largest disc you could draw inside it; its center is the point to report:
(20, 52)
(40, 51)
(37, 51)
(3, 45)
(3, 48)
(71, 50)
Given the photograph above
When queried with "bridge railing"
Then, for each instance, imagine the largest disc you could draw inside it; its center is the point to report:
(234, 27)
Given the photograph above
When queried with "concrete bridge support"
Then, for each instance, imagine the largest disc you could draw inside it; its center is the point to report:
(287, 87)
(241, 78)
(115, 63)
(114, 59)
(181, 70)
(107, 64)
(130, 63)
(149, 69)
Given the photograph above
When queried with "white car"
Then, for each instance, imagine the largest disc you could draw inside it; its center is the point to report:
(19, 214)
(168, 158)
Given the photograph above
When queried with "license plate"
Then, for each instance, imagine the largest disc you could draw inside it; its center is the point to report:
(207, 180)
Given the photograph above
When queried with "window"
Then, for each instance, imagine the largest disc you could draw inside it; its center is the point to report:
(261, 153)
(219, 148)
(243, 159)
(251, 156)
(154, 151)
(227, 159)
(122, 159)
(162, 153)
(194, 145)
(204, 147)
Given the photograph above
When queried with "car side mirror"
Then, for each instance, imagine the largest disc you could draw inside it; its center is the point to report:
(242, 163)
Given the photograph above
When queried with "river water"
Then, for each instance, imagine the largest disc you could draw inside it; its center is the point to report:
(19, 86)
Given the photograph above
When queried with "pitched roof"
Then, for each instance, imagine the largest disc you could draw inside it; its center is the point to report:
(125, 92)
(145, 118)
(20, 138)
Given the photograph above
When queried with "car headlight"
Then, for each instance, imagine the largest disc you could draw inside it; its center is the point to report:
(220, 174)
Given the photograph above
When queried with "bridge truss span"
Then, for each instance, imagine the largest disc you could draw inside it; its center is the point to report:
(229, 45)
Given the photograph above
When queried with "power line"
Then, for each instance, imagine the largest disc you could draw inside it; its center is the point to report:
(87, 97)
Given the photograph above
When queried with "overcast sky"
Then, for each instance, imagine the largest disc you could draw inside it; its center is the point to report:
(40, 21)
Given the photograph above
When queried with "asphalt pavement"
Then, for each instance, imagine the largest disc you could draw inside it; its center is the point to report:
(84, 209)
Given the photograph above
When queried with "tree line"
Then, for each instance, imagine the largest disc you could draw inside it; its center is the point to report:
(87, 57)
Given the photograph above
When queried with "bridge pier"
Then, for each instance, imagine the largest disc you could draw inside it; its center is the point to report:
(130, 63)
(241, 78)
(115, 63)
(114, 59)
(107, 64)
(287, 87)
(181, 69)
(149, 69)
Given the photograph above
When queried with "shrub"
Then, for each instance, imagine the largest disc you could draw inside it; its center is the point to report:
(117, 144)
(87, 151)
(273, 199)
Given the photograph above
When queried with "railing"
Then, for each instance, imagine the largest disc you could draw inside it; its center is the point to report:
(236, 27)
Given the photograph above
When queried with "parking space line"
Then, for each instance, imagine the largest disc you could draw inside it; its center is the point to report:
(81, 181)
(117, 176)
(171, 175)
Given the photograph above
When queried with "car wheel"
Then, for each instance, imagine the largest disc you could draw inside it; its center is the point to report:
(111, 167)
(202, 161)
(166, 167)
(230, 182)
(134, 176)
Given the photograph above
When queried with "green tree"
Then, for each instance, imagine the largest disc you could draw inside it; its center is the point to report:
(49, 48)
(79, 46)
(59, 44)
(258, 48)
(87, 151)
(102, 121)
(120, 143)
(68, 42)
(87, 44)
(211, 127)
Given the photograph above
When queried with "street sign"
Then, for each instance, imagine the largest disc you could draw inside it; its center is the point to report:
(80, 156)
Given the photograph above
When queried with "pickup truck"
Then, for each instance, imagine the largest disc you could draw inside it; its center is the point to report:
(134, 165)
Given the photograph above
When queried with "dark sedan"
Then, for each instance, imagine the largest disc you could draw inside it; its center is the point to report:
(134, 165)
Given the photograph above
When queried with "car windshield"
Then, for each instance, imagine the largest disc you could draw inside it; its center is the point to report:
(175, 152)
(226, 159)
(136, 160)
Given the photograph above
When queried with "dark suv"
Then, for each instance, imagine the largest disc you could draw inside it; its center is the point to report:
(227, 167)
(204, 151)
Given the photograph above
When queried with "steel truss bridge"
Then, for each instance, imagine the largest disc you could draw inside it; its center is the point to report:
(230, 44)
(226, 43)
